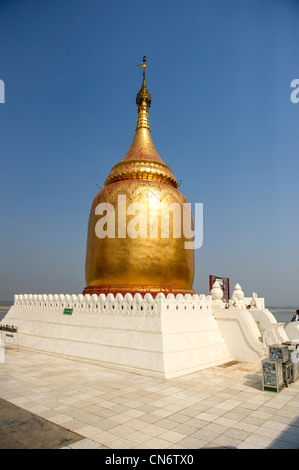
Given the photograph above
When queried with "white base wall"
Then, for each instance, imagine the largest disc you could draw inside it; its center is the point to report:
(164, 337)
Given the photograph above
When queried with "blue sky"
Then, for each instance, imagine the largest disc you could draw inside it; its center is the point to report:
(221, 117)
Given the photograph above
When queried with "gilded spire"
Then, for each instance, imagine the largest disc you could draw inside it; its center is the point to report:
(142, 160)
(143, 101)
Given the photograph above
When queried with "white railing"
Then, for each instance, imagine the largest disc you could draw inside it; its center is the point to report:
(127, 305)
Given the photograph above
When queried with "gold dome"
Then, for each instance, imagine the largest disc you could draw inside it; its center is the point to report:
(144, 263)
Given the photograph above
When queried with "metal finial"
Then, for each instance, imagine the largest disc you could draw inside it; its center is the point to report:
(143, 65)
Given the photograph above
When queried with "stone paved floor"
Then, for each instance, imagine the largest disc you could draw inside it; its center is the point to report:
(222, 407)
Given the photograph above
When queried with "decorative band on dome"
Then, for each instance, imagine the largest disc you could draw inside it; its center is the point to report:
(141, 170)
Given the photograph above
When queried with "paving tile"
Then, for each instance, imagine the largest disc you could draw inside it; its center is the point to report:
(86, 444)
(123, 443)
(105, 424)
(149, 418)
(179, 417)
(185, 429)
(206, 416)
(87, 431)
(245, 426)
(285, 411)
(228, 405)
(236, 414)
(60, 419)
(197, 423)
(274, 425)
(281, 419)
(121, 430)
(152, 430)
(194, 410)
(259, 413)
(74, 424)
(162, 413)
(157, 443)
(192, 443)
(166, 423)
(216, 411)
(249, 445)
(104, 438)
(258, 439)
(225, 421)
(226, 442)
(177, 446)
(172, 436)
(205, 435)
(236, 433)
(104, 412)
(136, 424)
(267, 432)
(175, 407)
(216, 428)
(139, 438)
(254, 420)
(133, 413)
(117, 409)
(120, 418)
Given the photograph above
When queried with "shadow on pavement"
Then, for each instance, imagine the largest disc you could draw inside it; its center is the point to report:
(288, 439)
(20, 429)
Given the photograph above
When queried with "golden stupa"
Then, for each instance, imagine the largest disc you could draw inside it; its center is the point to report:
(125, 264)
